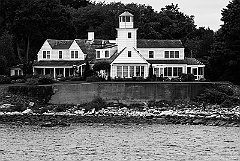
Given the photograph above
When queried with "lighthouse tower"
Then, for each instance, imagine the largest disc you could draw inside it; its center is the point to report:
(127, 34)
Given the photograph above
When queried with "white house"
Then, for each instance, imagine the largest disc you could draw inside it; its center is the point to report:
(133, 56)
(128, 56)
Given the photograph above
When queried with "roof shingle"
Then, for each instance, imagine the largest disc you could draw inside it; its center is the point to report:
(60, 44)
(142, 43)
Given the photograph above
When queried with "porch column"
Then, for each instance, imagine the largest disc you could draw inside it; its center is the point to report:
(54, 73)
(81, 70)
(44, 71)
(64, 74)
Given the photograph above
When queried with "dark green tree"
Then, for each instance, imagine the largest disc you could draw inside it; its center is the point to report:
(225, 61)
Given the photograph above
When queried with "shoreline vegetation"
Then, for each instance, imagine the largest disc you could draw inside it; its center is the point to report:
(215, 106)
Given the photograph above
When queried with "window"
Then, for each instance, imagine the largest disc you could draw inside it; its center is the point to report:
(137, 70)
(60, 55)
(176, 54)
(98, 54)
(189, 70)
(127, 18)
(123, 19)
(46, 54)
(129, 54)
(171, 54)
(131, 71)
(168, 71)
(119, 71)
(129, 34)
(72, 54)
(200, 70)
(142, 71)
(151, 54)
(177, 71)
(166, 54)
(76, 54)
(106, 54)
(125, 71)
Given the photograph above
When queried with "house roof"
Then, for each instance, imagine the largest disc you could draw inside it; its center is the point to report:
(60, 44)
(143, 43)
(111, 59)
(188, 61)
(126, 13)
(53, 63)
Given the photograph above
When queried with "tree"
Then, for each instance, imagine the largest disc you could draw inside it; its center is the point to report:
(225, 59)
(6, 49)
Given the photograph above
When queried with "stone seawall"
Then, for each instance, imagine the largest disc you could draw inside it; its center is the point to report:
(126, 92)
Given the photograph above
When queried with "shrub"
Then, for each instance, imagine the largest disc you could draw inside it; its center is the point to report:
(4, 79)
(186, 77)
(16, 77)
(175, 80)
(45, 80)
(77, 79)
(94, 79)
(32, 81)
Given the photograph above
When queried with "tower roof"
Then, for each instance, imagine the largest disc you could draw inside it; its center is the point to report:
(126, 13)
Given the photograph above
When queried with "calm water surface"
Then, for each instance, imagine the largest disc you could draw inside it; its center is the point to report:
(119, 142)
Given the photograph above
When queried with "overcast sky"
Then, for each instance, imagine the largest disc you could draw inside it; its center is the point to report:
(207, 12)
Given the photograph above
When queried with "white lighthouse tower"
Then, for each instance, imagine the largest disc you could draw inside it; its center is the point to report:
(127, 34)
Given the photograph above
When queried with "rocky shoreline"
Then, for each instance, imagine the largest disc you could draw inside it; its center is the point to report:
(20, 110)
(66, 120)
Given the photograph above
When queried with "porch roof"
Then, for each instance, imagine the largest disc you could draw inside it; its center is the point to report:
(52, 63)
(187, 61)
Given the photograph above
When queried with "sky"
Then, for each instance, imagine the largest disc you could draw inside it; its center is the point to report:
(207, 12)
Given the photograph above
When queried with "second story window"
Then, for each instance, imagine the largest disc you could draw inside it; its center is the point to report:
(60, 55)
(129, 35)
(46, 54)
(171, 54)
(106, 54)
(129, 54)
(74, 54)
(98, 54)
(151, 54)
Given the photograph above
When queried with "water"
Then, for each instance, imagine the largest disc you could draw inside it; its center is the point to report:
(119, 142)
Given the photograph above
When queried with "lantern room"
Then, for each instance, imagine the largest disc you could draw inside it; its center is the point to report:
(126, 20)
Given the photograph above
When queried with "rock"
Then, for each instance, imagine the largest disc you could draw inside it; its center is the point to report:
(48, 124)
(198, 122)
(27, 111)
